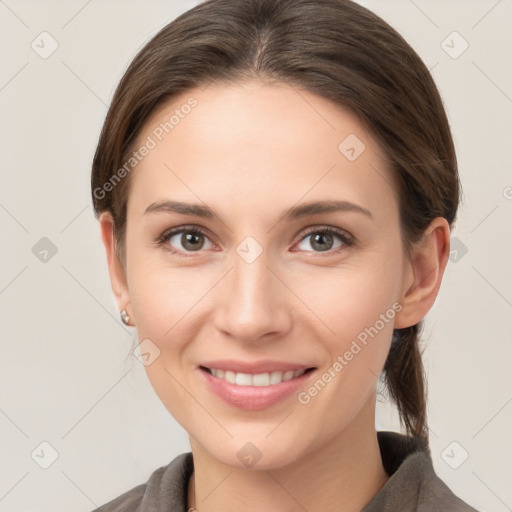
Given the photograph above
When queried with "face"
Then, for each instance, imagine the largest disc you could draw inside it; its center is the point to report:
(244, 275)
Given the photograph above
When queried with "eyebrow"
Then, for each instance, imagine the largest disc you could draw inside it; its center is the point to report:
(295, 212)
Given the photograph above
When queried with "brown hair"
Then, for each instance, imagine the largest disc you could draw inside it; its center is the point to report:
(333, 48)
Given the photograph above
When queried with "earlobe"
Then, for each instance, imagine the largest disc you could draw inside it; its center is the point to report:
(116, 270)
(424, 273)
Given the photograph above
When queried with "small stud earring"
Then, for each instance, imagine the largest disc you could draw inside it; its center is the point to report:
(125, 317)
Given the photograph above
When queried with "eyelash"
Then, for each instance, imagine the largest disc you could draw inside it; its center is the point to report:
(345, 238)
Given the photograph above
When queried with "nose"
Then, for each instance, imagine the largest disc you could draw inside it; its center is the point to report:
(255, 305)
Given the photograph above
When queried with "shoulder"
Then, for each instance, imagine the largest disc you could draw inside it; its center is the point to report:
(166, 487)
(413, 485)
(128, 502)
(432, 493)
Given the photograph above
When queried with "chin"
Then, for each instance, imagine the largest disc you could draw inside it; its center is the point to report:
(253, 452)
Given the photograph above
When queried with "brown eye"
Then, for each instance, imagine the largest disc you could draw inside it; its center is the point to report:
(186, 240)
(324, 240)
(191, 241)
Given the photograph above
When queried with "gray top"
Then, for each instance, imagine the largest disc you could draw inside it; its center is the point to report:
(413, 485)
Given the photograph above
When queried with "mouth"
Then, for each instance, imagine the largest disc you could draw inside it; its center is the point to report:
(254, 386)
(262, 379)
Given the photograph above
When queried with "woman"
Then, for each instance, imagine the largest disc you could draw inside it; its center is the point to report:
(275, 183)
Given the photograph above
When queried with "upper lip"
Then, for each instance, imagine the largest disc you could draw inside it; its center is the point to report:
(254, 367)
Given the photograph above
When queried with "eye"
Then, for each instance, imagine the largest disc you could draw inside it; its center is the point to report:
(185, 239)
(189, 239)
(323, 239)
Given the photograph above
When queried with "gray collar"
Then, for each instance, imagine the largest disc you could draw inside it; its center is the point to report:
(413, 485)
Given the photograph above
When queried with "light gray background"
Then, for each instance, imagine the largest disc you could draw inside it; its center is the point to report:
(64, 375)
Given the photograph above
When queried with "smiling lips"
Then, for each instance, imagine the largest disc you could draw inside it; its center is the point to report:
(258, 379)
(254, 386)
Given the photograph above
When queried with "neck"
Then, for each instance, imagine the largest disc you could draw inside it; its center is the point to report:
(343, 474)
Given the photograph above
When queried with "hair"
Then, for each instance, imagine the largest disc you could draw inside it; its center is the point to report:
(336, 49)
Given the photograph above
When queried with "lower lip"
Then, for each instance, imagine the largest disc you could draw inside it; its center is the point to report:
(253, 398)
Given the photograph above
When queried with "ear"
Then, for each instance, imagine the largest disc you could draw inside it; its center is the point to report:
(424, 273)
(116, 270)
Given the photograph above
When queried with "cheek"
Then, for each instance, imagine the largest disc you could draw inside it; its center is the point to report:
(163, 294)
(357, 308)
(166, 303)
(352, 298)
(165, 300)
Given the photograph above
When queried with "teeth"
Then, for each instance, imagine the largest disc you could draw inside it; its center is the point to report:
(288, 375)
(276, 377)
(259, 379)
(229, 376)
(243, 379)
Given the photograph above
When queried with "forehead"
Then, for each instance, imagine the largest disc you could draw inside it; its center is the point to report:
(259, 144)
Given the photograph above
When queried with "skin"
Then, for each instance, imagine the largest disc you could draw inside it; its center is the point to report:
(250, 151)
